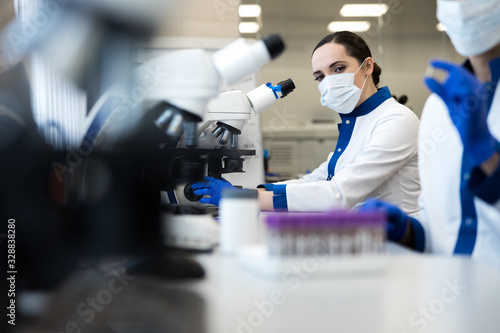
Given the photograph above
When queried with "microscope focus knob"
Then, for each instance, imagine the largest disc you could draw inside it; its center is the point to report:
(188, 193)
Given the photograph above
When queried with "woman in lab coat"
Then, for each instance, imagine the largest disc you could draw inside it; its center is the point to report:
(376, 153)
(459, 149)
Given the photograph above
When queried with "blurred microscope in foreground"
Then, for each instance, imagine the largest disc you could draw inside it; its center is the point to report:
(101, 198)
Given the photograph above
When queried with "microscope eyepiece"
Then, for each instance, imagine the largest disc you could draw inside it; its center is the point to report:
(240, 58)
(274, 45)
(287, 87)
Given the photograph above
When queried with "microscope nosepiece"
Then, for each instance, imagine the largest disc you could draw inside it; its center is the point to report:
(174, 122)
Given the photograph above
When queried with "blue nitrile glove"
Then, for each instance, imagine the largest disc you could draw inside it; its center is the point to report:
(396, 218)
(465, 97)
(212, 187)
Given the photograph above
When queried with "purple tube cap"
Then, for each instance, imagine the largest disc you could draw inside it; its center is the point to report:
(325, 220)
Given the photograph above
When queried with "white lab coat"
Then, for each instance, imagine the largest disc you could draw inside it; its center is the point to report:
(440, 160)
(379, 161)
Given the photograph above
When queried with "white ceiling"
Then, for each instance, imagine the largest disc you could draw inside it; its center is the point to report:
(306, 19)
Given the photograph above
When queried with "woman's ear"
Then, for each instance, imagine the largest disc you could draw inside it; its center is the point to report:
(369, 64)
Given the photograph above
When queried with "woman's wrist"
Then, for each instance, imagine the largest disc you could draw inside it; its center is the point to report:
(408, 238)
(265, 200)
(491, 165)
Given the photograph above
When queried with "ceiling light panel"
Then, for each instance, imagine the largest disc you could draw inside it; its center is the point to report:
(249, 10)
(249, 27)
(355, 26)
(363, 10)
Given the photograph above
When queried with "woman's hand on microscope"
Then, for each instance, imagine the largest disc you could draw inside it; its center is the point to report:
(213, 188)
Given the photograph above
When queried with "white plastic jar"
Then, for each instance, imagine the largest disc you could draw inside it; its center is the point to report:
(238, 218)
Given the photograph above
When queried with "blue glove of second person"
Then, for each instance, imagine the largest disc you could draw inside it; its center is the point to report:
(466, 99)
(396, 218)
(212, 187)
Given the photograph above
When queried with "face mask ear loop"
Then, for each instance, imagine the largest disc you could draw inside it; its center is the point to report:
(366, 78)
(360, 66)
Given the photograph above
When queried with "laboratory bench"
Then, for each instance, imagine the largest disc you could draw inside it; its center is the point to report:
(402, 292)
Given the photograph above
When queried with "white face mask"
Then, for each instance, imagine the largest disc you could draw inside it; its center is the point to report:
(472, 25)
(339, 92)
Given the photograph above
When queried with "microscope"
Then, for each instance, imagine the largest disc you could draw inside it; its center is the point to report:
(231, 109)
(225, 117)
(193, 226)
(180, 84)
(177, 88)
